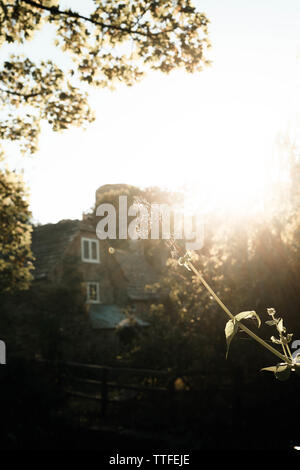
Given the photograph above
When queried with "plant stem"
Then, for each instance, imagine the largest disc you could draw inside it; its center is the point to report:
(283, 347)
(289, 351)
(241, 325)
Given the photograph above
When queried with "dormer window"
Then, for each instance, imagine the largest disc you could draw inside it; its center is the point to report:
(90, 250)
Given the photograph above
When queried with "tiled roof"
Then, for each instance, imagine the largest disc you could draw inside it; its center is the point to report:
(138, 273)
(49, 243)
(109, 316)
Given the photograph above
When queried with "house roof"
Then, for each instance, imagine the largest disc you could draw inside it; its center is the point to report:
(139, 274)
(109, 316)
(49, 243)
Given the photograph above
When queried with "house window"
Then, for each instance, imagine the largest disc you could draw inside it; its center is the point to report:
(90, 250)
(92, 293)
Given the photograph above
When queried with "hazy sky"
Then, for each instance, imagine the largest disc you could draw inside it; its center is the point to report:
(214, 131)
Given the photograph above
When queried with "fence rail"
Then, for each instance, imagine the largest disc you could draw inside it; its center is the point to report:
(79, 376)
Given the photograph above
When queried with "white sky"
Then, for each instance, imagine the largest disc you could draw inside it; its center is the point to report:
(214, 131)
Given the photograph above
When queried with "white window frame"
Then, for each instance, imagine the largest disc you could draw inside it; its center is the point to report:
(90, 241)
(88, 300)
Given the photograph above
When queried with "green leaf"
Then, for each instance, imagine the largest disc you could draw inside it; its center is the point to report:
(270, 369)
(289, 337)
(271, 322)
(246, 315)
(276, 341)
(280, 326)
(283, 371)
(232, 326)
(231, 329)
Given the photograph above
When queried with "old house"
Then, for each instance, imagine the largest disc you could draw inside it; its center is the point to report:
(113, 281)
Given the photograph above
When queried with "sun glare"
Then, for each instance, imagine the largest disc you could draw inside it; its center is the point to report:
(211, 133)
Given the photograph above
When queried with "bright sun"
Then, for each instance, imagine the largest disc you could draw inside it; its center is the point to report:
(212, 133)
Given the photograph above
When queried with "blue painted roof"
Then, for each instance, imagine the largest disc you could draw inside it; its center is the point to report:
(109, 316)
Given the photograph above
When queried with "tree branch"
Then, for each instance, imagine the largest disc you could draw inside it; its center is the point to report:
(25, 96)
(72, 14)
(4, 185)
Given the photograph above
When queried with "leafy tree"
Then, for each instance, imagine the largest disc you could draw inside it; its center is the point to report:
(186, 330)
(117, 42)
(15, 254)
(48, 319)
(250, 267)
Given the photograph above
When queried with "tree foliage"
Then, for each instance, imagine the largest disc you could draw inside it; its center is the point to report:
(251, 263)
(15, 240)
(117, 42)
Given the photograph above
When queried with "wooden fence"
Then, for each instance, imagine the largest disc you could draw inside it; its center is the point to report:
(114, 378)
(109, 383)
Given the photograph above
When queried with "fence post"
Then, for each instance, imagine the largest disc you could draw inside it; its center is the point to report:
(172, 400)
(104, 393)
